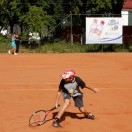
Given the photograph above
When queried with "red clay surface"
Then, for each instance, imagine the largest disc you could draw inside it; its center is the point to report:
(29, 82)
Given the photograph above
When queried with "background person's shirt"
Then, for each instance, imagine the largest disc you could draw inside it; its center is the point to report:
(13, 39)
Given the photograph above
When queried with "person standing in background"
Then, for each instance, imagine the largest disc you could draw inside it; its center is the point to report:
(13, 44)
(17, 41)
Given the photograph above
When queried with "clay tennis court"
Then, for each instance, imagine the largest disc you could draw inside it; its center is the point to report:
(29, 82)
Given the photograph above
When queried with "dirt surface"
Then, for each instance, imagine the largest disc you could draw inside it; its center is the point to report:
(29, 82)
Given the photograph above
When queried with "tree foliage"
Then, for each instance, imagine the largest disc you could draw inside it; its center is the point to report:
(42, 15)
(35, 19)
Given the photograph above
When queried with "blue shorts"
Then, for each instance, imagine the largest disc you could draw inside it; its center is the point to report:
(13, 44)
(78, 100)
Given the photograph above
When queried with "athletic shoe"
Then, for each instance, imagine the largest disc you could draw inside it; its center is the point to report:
(15, 53)
(9, 52)
(56, 123)
(90, 116)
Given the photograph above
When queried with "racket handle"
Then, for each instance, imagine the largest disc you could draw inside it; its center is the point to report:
(54, 107)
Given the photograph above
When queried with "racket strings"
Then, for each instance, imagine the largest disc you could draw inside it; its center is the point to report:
(37, 118)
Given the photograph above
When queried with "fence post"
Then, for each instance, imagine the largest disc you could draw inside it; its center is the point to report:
(71, 29)
(81, 40)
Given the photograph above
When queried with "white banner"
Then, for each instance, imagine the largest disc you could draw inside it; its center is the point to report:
(104, 30)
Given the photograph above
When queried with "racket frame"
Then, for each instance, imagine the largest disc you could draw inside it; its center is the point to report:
(47, 112)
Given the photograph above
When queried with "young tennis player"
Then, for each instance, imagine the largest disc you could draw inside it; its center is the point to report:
(13, 44)
(70, 88)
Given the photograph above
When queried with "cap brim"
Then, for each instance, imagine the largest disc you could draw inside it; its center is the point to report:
(65, 76)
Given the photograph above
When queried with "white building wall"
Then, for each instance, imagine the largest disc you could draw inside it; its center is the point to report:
(125, 15)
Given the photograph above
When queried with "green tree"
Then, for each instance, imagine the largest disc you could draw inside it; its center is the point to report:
(43, 15)
(9, 12)
(35, 20)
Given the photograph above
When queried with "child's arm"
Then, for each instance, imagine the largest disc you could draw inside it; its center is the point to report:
(59, 93)
(95, 90)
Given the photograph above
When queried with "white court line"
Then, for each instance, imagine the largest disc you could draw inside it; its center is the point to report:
(24, 89)
(38, 66)
(55, 89)
(43, 66)
(30, 66)
(28, 83)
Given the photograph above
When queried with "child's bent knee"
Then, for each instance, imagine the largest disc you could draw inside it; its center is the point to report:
(67, 103)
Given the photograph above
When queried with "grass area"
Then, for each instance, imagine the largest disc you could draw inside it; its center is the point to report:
(4, 46)
(63, 47)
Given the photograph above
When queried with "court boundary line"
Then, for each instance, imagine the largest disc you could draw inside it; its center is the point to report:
(55, 89)
(40, 66)
(24, 89)
(45, 83)
(27, 83)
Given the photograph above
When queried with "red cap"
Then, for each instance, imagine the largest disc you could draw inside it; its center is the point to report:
(68, 73)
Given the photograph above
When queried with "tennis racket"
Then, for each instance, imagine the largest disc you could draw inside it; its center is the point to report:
(38, 118)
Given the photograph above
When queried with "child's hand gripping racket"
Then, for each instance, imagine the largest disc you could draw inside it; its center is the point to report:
(38, 118)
